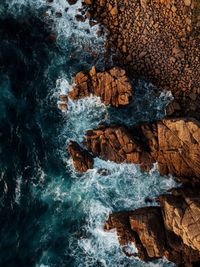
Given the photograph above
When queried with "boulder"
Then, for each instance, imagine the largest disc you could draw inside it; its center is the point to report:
(112, 86)
(117, 143)
(82, 160)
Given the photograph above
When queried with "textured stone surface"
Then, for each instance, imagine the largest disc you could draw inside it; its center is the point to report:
(119, 144)
(82, 160)
(173, 143)
(159, 41)
(171, 230)
(181, 212)
(148, 224)
(112, 86)
(179, 147)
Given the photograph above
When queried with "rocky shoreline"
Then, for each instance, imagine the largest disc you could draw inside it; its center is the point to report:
(157, 41)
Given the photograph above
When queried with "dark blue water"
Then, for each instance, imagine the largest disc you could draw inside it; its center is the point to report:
(49, 214)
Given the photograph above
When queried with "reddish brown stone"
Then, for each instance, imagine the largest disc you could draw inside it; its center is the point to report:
(116, 143)
(171, 230)
(179, 147)
(82, 160)
(112, 86)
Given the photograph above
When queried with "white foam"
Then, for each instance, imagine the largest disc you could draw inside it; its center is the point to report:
(82, 115)
(124, 187)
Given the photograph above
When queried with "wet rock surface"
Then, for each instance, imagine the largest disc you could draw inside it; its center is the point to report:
(169, 230)
(173, 229)
(173, 143)
(112, 86)
(119, 144)
(82, 160)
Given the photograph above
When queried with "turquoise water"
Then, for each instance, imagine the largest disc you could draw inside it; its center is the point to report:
(50, 215)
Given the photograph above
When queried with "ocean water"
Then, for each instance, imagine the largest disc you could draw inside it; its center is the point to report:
(49, 214)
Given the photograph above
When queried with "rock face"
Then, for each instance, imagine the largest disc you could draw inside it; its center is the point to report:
(112, 86)
(82, 160)
(179, 147)
(171, 230)
(173, 143)
(117, 143)
(149, 228)
(181, 212)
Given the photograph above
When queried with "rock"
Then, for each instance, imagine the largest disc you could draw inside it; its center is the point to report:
(173, 143)
(112, 86)
(179, 147)
(62, 103)
(72, 2)
(181, 211)
(82, 160)
(117, 143)
(114, 11)
(187, 2)
(88, 2)
(171, 230)
(120, 222)
(62, 106)
(148, 224)
(80, 18)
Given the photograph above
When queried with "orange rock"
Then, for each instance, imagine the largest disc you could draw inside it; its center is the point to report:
(112, 86)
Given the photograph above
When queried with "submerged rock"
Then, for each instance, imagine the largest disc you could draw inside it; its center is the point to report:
(72, 2)
(82, 160)
(112, 86)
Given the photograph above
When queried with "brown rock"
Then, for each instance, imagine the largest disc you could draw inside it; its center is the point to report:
(148, 224)
(120, 222)
(181, 211)
(88, 2)
(117, 143)
(82, 160)
(112, 86)
(171, 230)
(179, 147)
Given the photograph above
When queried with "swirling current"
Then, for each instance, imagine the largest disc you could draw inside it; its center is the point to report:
(50, 216)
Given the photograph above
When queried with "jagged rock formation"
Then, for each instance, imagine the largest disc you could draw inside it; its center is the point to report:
(82, 160)
(171, 230)
(179, 147)
(118, 143)
(181, 212)
(112, 86)
(159, 41)
(173, 143)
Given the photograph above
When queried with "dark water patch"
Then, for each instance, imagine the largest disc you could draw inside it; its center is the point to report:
(29, 123)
